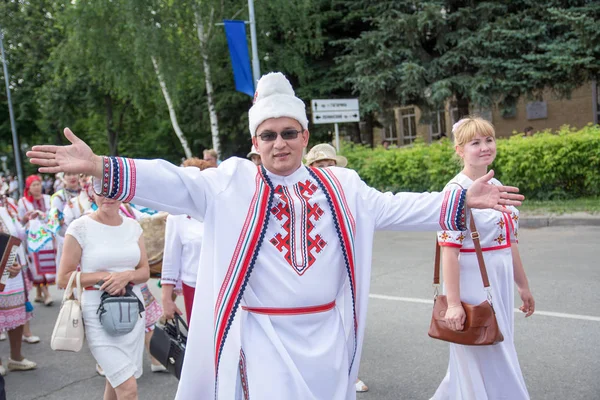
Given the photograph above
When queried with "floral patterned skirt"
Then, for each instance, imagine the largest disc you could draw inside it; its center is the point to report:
(12, 305)
(153, 309)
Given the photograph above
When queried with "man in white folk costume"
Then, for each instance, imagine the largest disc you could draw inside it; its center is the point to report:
(283, 283)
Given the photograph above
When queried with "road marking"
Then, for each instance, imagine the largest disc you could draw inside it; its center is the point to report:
(429, 301)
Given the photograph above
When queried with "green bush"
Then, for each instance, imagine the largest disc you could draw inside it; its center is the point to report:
(565, 164)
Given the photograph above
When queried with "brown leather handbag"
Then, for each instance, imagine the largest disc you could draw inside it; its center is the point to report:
(480, 327)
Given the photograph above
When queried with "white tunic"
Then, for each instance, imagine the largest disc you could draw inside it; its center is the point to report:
(294, 262)
(59, 201)
(485, 372)
(42, 260)
(79, 205)
(181, 256)
(111, 249)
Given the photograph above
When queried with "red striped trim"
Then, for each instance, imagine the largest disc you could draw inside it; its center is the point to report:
(238, 248)
(350, 216)
(121, 172)
(231, 300)
(244, 375)
(444, 210)
(455, 210)
(504, 246)
(344, 232)
(106, 176)
(132, 180)
(290, 311)
(446, 244)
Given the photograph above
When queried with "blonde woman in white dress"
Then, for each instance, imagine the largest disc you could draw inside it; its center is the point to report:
(109, 248)
(483, 372)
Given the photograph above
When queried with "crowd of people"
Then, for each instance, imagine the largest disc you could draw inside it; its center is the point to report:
(301, 223)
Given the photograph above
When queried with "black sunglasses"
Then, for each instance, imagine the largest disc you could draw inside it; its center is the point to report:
(287, 134)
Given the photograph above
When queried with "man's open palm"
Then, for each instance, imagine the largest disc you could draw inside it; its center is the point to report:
(482, 194)
(76, 158)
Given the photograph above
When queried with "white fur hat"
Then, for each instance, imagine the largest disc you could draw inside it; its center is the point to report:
(275, 98)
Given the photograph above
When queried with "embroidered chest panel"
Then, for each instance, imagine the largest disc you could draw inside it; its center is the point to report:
(298, 214)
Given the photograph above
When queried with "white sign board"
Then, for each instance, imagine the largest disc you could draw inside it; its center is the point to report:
(333, 111)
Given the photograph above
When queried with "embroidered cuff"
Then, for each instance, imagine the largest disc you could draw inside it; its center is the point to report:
(167, 281)
(118, 179)
(453, 214)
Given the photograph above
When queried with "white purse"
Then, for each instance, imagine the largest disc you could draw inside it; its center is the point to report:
(68, 333)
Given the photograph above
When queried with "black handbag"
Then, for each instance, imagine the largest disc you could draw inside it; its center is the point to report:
(168, 344)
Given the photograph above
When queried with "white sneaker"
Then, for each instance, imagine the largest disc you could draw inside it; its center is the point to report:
(3, 335)
(158, 368)
(31, 339)
(23, 365)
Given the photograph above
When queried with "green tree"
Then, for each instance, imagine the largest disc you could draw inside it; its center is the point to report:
(477, 53)
(31, 33)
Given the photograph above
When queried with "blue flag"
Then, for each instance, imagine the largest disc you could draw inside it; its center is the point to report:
(240, 59)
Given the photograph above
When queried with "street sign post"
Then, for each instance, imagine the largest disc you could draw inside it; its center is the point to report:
(335, 111)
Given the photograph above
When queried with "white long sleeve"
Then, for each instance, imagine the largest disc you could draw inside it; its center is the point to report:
(171, 268)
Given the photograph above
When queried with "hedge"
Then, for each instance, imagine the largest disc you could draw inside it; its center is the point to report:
(564, 164)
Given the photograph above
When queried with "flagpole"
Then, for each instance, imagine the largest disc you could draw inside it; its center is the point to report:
(12, 115)
(255, 62)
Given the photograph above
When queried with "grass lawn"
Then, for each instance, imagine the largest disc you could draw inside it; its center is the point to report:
(585, 204)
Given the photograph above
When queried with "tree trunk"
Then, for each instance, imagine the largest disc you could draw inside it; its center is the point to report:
(119, 129)
(367, 129)
(354, 131)
(176, 128)
(58, 139)
(462, 104)
(112, 134)
(214, 123)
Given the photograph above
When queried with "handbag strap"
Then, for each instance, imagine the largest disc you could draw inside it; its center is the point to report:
(129, 293)
(69, 289)
(179, 320)
(480, 259)
(79, 288)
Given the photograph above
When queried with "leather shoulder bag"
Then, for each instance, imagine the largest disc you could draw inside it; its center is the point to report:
(480, 327)
(68, 333)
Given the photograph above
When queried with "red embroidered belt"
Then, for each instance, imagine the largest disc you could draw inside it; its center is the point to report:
(290, 311)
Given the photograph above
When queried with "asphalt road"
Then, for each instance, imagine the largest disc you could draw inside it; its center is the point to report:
(558, 347)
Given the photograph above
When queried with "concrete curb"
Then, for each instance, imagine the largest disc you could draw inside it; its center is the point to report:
(542, 221)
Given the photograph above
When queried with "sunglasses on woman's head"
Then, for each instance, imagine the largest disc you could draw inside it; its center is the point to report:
(287, 134)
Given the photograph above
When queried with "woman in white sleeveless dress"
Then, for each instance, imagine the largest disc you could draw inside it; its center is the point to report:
(108, 248)
(483, 372)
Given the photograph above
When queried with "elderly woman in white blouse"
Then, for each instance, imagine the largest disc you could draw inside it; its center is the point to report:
(181, 258)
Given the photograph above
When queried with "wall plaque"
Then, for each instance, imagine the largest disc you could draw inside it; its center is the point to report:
(537, 110)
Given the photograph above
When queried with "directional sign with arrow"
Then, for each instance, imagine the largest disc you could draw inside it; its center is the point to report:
(330, 111)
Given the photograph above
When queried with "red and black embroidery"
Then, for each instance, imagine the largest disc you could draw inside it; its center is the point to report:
(298, 243)
(244, 375)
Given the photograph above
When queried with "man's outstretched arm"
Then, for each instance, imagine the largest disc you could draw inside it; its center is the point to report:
(153, 183)
(435, 211)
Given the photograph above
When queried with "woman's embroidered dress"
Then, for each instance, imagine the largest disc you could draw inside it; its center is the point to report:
(485, 372)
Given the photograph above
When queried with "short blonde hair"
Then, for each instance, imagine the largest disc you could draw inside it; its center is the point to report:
(196, 162)
(467, 128)
(211, 152)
